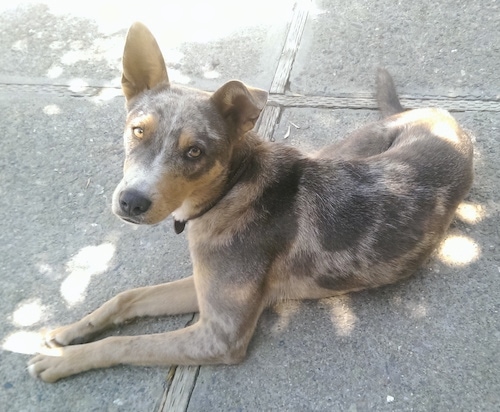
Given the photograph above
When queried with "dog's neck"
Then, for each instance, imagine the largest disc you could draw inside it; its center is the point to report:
(234, 176)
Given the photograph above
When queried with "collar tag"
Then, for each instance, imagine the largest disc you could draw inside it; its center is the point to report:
(179, 226)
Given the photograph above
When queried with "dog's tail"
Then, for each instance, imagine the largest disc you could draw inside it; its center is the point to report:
(387, 97)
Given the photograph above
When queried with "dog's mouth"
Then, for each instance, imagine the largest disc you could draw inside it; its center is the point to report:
(137, 222)
(131, 221)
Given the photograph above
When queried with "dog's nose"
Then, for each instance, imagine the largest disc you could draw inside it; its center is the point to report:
(134, 203)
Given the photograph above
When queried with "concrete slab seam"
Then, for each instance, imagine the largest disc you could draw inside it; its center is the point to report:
(184, 379)
(410, 102)
(343, 101)
(294, 35)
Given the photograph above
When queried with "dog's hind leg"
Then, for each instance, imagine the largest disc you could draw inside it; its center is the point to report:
(166, 299)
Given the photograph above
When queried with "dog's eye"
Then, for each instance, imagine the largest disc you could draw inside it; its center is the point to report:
(194, 152)
(138, 132)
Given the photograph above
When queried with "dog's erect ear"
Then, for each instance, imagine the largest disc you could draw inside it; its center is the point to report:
(241, 104)
(143, 64)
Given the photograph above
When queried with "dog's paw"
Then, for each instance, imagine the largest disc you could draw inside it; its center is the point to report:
(58, 337)
(49, 366)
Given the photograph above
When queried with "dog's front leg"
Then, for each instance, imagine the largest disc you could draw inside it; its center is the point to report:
(222, 339)
(166, 299)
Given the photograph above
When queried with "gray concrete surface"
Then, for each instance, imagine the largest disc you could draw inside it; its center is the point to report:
(431, 343)
(440, 48)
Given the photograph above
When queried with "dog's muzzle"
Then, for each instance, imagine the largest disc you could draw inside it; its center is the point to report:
(133, 204)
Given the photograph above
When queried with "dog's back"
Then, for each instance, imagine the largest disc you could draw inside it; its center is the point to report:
(359, 214)
(381, 207)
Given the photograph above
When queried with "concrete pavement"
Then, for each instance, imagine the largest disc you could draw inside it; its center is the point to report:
(431, 343)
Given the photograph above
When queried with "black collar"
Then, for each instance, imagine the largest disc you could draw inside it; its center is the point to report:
(179, 225)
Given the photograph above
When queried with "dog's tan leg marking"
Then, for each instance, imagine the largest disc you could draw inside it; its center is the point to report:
(166, 299)
(213, 339)
(196, 344)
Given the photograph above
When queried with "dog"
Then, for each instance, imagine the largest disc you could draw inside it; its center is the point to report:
(265, 222)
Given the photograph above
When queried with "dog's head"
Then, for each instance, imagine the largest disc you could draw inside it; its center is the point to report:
(178, 141)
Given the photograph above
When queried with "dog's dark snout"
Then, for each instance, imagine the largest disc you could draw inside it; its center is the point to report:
(134, 203)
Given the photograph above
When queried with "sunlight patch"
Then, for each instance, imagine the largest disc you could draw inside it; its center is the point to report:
(28, 313)
(285, 310)
(54, 72)
(78, 85)
(23, 342)
(44, 268)
(90, 261)
(445, 131)
(418, 310)
(341, 314)
(52, 109)
(176, 76)
(470, 212)
(208, 20)
(458, 250)
(211, 74)
(106, 94)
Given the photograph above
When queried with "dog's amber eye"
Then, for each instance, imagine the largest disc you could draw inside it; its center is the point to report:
(194, 152)
(138, 132)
